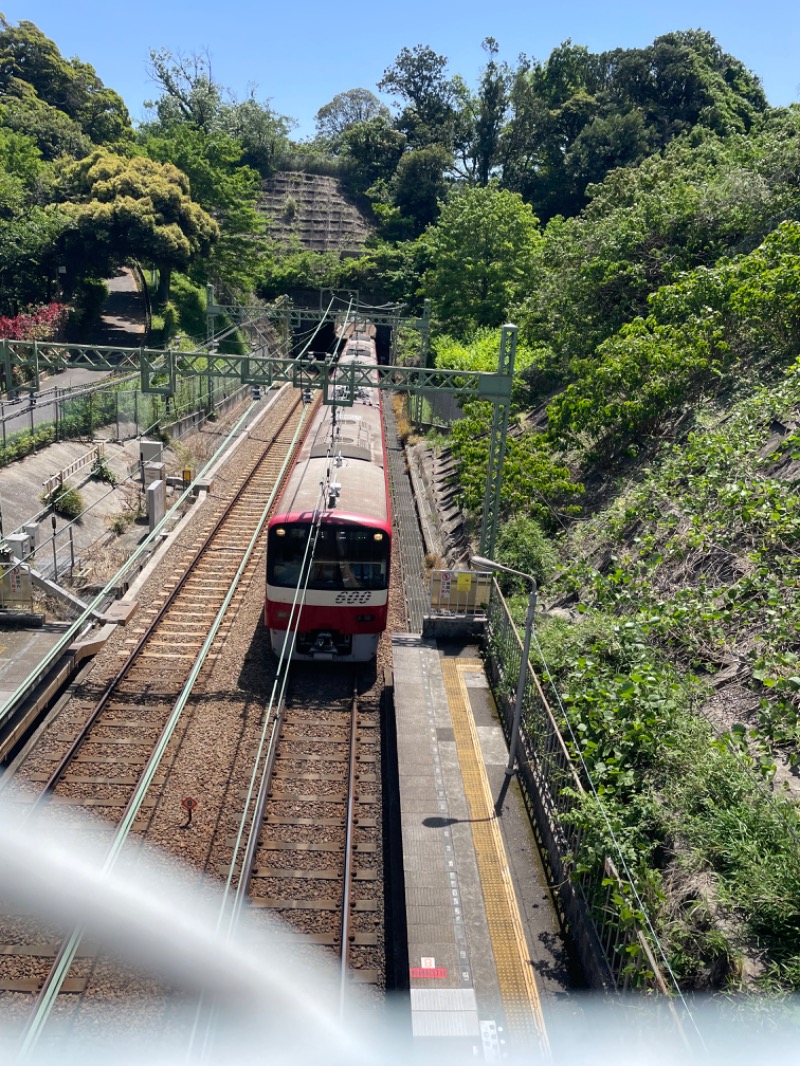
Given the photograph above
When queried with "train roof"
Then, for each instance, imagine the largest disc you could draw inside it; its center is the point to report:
(361, 490)
(344, 446)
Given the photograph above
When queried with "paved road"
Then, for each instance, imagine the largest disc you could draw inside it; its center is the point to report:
(123, 319)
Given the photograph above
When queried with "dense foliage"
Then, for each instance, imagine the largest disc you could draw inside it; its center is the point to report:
(543, 131)
(637, 214)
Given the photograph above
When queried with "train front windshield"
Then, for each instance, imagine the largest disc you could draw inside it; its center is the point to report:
(345, 557)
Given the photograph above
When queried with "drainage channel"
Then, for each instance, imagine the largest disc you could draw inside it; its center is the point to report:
(406, 524)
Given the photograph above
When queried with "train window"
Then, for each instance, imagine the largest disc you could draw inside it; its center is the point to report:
(347, 557)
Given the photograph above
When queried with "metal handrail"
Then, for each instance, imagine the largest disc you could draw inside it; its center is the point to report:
(615, 953)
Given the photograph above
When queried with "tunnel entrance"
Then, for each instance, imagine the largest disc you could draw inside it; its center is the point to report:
(323, 343)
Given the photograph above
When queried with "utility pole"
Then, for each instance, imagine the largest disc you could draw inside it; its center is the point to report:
(497, 443)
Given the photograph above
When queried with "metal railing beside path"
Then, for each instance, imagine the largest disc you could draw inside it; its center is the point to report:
(597, 902)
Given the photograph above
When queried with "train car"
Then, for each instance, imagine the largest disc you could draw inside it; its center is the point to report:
(329, 544)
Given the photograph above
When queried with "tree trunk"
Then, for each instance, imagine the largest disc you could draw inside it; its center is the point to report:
(164, 278)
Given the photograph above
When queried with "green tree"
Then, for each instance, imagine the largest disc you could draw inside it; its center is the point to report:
(188, 90)
(54, 132)
(346, 110)
(35, 75)
(29, 254)
(370, 152)
(418, 77)
(705, 196)
(481, 250)
(28, 232)
(418, 186)
(224, 188)
(486, 116)
(19, 156)
(190, 95)
(120, 207)
(579, 114)
(262, 133)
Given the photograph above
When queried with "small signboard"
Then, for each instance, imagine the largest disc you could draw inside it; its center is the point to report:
(460, 591)
(16, 587)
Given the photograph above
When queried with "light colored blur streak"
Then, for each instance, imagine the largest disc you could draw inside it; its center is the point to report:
(276, 1008)
(163, 920)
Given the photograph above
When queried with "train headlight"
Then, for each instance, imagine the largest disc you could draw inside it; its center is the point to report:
(377, 536)
(280, 532)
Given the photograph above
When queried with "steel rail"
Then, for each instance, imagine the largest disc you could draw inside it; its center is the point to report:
(257, 793)
(92, 607)
(66, 956)
(344, 949)
(261, 777)
(148, 633)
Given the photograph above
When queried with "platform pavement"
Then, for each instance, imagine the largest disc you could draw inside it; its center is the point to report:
(484, 946)
(21, 651)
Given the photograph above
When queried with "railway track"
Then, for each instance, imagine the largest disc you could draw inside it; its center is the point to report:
(120, 757)
(317, 855)
(318, 864)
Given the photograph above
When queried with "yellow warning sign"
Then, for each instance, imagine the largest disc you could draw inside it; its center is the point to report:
(459, 591)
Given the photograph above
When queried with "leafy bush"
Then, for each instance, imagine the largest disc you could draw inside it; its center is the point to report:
(120, 522)
(101, 471)
(698, 331)
(299, 270)
(535, 482)
(18, 445)
(479, 352)
(523, 545)
(65, 501)
(37, 323)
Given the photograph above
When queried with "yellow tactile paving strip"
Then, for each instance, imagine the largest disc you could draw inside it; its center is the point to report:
(518, 989)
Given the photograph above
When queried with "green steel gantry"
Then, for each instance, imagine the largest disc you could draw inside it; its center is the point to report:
(159, 369)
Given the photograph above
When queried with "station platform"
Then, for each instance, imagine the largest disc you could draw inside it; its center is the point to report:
(21, 652)
(485, 953)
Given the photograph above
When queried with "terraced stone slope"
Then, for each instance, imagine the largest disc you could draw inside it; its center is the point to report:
(312, 210)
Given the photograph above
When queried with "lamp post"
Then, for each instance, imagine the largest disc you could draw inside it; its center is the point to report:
(479, 562)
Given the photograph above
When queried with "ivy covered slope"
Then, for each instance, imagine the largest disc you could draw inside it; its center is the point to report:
(679, 676)
(660, 375)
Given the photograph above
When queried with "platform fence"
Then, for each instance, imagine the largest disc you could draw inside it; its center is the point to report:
(598, 904)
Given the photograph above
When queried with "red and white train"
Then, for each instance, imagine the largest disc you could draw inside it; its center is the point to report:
(329, 544)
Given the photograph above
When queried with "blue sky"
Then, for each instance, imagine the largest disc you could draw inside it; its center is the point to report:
(299, 55)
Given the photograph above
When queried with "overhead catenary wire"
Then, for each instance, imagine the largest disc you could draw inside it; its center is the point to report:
(69, 949)
(233, 899)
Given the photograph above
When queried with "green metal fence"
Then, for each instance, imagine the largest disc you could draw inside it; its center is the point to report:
(596, 901)
(111, 410)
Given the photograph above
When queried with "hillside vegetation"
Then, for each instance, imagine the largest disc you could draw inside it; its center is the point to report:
(637, 214)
